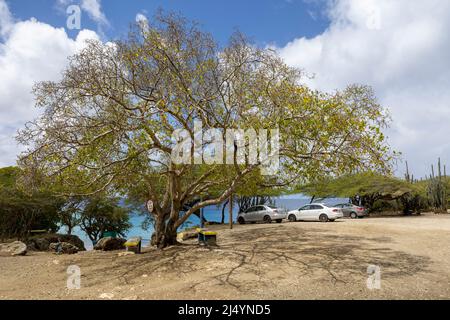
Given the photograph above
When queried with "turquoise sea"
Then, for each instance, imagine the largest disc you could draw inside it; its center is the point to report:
(211, 214)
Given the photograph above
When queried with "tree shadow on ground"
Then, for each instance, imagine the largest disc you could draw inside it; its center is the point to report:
(262, 256)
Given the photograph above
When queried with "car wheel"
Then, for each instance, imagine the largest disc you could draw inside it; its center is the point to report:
(292, 218)
(241, 220)
(323, 218)
(267, 219)
(353, 215)
(279, 221)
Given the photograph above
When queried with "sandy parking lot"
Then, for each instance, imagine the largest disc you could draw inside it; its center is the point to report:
(279, 261)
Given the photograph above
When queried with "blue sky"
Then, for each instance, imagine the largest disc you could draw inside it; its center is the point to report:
(400, 48)
(265, 21)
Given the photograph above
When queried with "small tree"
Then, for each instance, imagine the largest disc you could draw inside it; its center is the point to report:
(102, 214)
(69, 215)
(367, 188)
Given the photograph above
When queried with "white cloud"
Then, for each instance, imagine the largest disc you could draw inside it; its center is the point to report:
(402, 49)
(6, 19)
(142, 20)
(31, 51)
(93, 8)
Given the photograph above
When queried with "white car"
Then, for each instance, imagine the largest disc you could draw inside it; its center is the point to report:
(315, 212)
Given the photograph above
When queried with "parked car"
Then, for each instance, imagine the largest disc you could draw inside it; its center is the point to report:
(262, 213)
(352, 211)
(315, 212)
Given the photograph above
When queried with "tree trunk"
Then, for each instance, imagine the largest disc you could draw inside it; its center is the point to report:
(223, 211)
(165, 234)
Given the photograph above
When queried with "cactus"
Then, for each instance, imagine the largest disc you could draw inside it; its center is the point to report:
(407, 176)
(437, 186)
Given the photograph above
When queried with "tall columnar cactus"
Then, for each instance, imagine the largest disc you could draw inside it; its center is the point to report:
(437, 188)
(407, 175)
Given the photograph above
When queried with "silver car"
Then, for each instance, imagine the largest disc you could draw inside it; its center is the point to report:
(262, 213)
(352, 211)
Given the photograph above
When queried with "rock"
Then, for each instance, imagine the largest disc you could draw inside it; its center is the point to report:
(42, 242)
(185, 235)
(110, 244)
(108, 296)
(16, 248)
(63, 248)
(126, 253)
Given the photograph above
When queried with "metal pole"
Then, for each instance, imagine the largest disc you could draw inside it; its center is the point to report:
(202, 223)
(202, 220)
(230, 203)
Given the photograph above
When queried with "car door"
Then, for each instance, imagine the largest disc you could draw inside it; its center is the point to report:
(249, 214)
(315, 212)
(347, 209)
(303, 213)
(260, 213)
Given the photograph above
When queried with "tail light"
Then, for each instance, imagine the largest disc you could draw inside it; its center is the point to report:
(360, 209)
(276, 211)
(335, 210)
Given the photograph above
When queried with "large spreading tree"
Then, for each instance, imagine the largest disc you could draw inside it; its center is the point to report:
(108, 124)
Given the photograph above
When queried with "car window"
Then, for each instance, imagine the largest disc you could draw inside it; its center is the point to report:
(260, 208)
(339, 206)
(308, 207)
(250, 210)
(316, 207)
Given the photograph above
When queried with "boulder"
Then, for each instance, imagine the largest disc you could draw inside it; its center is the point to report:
(188, 234)
(16, 248)
(43, 242)
(110, 244)
(63, 248)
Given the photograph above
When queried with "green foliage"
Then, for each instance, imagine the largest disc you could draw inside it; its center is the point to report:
(42, 209)
(22, 211)
(104, 214)
(8, 177)
(362, 184)
(371, 190)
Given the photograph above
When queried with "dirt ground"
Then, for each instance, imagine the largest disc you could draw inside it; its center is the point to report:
(303, 260)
